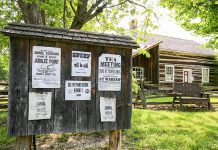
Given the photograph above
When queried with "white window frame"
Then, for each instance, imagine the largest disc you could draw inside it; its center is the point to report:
(172, 66)
(141, 72)
(208, 76)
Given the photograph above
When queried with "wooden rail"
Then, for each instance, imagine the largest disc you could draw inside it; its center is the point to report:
(3, 95)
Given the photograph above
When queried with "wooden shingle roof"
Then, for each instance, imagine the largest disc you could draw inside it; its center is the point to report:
(72, 36)
(178, 45)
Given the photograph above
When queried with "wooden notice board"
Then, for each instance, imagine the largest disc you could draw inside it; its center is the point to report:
(68, 80)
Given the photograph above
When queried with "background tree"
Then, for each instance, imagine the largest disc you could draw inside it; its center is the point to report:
(92, 15)
(199, 16)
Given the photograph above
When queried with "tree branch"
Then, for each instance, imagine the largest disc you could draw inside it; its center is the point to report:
(97, 12)
(94, 6)
(143, 7)
(64, 14)
(117, 4)
(71, 5)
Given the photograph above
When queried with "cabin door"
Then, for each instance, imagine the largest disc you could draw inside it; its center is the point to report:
(187, 75)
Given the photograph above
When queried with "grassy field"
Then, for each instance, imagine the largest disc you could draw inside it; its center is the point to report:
(170, 99)
(6, 142)
(153, 130)
(172, 130)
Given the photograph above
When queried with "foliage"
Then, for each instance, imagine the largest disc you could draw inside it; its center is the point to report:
(5, 141)
(92, 15)
(135, 86)
(144, 52)
(4, 65)
(199, 16)
(172, 130)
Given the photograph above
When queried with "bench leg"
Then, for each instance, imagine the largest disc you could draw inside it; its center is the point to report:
(144, 105)
(209, 105)
(181, 106)
(173, 103)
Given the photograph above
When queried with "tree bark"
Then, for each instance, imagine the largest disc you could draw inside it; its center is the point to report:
(32, 13)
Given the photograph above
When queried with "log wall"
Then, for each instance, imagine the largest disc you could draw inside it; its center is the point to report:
(181, 61)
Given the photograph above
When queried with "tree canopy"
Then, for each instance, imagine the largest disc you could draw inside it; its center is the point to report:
(199, 16)
(92, 15)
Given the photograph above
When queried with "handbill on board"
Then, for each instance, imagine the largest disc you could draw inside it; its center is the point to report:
(39, 106)
(108, 109)
(109, 72)
(46, 63)
(78, 90)
(81, 63)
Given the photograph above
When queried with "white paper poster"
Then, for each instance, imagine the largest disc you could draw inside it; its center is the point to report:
(108, 109)
(39, 106)
(81, 64)
(46, 63)
(78, 90)
(109, 72)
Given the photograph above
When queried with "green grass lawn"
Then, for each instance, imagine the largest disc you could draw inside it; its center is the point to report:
(6, 142)
(172, 130)
(170, 99)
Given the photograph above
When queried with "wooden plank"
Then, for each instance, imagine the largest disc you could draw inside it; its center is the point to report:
(115, 140)
(121, 98)
(127, 92)
(91, 105)
(18, 86)
(3, 106)
(4, 83)
(44, 125)
(177, 53)
(65, 112)
(160, 103)
(3, 99)
(200, 59)
(82, 106)
(109, 94)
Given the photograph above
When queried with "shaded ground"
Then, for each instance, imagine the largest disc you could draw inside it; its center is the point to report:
(69, 141)
(186, 107)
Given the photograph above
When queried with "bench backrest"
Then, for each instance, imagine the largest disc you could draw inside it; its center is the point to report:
(188, 89)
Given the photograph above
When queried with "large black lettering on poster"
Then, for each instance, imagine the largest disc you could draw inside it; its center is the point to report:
(109, 73)
(46, 67)
(81, 63)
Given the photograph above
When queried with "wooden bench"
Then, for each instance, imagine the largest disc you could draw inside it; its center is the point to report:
(189, 93)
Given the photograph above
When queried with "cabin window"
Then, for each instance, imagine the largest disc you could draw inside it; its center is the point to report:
(139, 72)
(169, 73)
(205, 75)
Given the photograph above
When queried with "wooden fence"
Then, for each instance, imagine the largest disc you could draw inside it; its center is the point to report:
(3, 95)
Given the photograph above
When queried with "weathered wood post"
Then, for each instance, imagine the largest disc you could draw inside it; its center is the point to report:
(68, 81)
(115, 140)
(23, 142)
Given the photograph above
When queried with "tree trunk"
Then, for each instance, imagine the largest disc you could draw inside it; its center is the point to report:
(32, 13)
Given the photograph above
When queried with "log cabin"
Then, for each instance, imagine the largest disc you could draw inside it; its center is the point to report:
(175, 60)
